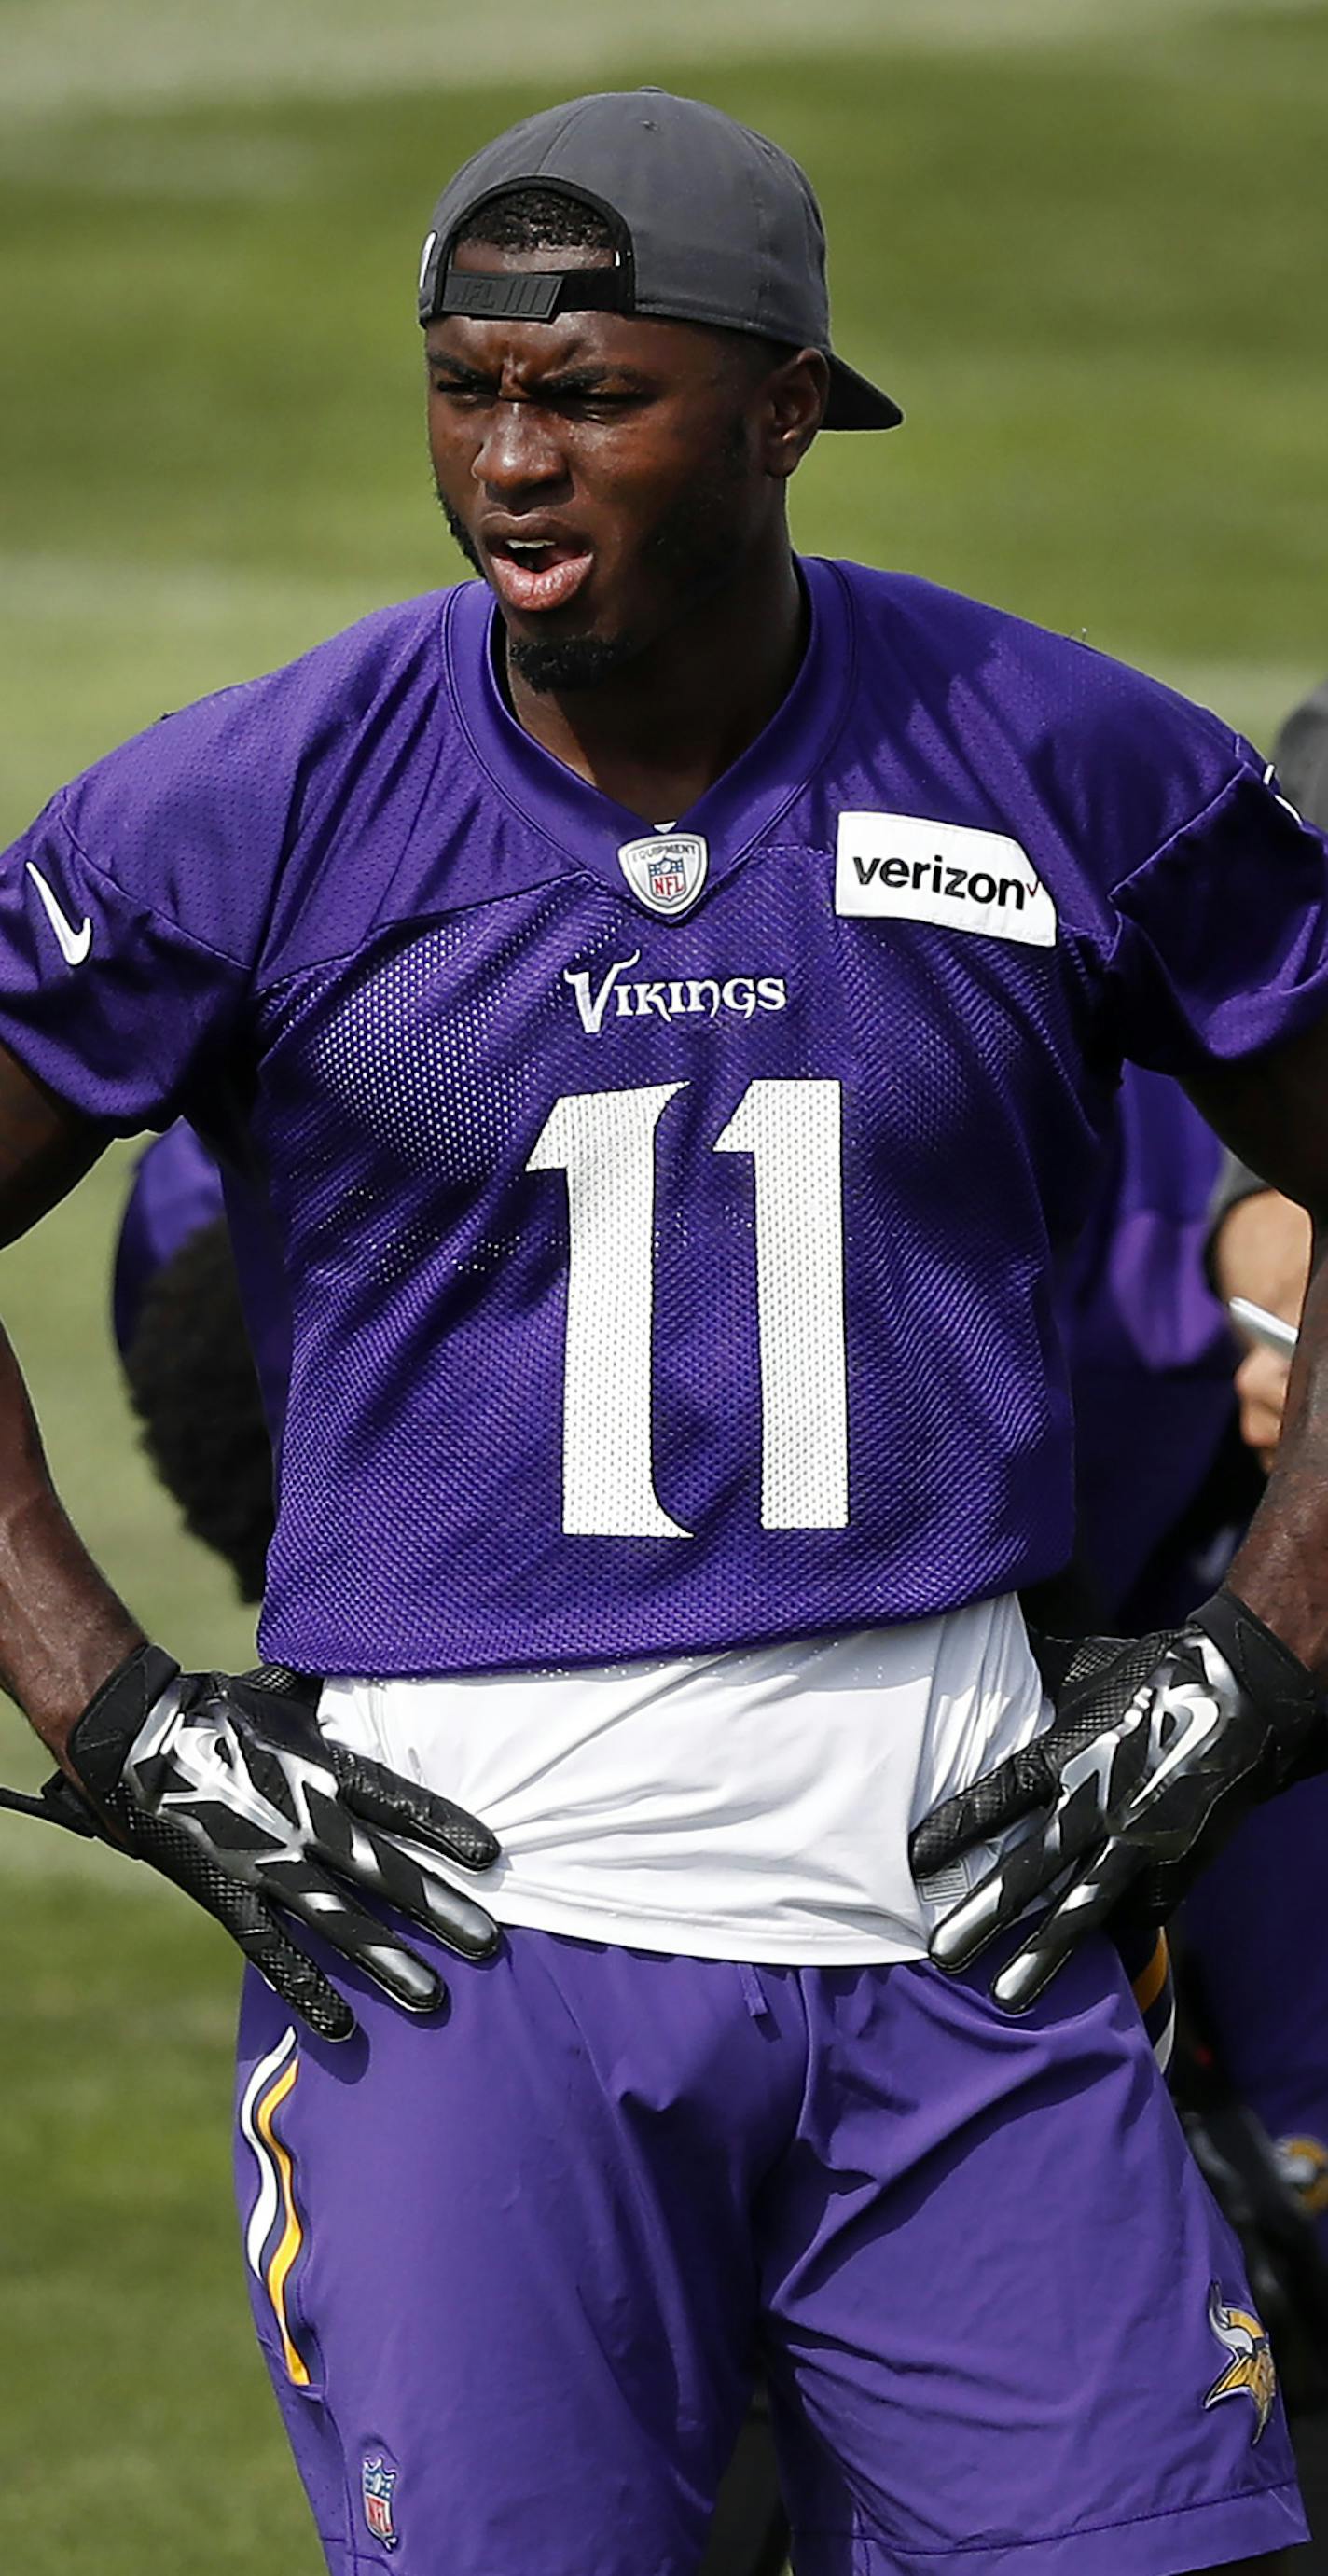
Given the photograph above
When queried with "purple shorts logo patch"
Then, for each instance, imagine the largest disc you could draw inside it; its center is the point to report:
(1251, 2368)
(376, 2484)
(1304, 2163)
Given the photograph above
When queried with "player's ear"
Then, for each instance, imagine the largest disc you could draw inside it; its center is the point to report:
(793, 400)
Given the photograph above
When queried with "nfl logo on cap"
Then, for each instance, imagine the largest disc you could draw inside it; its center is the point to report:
(666, 870)
(376, 2484)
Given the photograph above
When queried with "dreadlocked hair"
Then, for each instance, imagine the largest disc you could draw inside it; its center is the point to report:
(536, 218)
(192, 1385)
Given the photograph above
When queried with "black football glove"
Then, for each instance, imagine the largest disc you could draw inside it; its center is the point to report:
(227, 1786)
(1158, 1747)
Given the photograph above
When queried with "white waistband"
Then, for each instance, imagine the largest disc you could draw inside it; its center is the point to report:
(751, 1805)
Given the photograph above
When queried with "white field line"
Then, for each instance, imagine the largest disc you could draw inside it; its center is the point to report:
(63, 57)
(192, 596)
(201, 599)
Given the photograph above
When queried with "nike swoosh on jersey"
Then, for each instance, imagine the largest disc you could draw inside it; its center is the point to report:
(74, 944)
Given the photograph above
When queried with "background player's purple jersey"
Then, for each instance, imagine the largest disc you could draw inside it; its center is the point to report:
(662, 1283)
(1158, 1482)
(1151, 1365)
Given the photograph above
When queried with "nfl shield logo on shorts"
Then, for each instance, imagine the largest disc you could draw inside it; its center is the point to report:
(376, 2484)
(666, 870)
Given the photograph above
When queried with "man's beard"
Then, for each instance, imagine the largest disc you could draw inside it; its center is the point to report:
(694, 544)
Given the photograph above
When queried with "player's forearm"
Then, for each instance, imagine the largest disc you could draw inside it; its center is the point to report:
(62, 1628)
(1281, 1569)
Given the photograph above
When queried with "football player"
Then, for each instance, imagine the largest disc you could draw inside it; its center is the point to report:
(666, 996)
(1257, 1920)
(1163, 1484)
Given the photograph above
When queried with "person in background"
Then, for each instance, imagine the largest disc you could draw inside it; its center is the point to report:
(1267, 1966)
(1163, 1483)
(1171, 1455)
(1258, 1241)
(1171, 1459)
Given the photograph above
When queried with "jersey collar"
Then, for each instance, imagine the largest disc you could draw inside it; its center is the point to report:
(745, 804)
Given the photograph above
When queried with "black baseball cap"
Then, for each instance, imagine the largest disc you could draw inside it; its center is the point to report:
(710, 223)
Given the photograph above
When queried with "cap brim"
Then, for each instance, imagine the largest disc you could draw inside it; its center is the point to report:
(855, 404)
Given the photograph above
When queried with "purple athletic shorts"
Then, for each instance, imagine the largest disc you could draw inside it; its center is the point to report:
(513, 2273)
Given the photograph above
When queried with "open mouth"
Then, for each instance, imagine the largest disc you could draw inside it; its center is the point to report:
(535, 574)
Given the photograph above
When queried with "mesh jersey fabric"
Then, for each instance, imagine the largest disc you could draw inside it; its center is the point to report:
(660, 1285)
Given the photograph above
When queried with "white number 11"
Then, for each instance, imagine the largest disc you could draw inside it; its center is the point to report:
(605, 1143)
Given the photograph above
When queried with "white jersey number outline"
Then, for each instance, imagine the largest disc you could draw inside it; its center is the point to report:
(604, 1142)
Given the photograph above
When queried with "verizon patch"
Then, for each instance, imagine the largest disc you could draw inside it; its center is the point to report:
(901, 866)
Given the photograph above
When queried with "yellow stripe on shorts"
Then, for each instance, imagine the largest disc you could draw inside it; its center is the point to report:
(292, 2235)
(1151, 1979)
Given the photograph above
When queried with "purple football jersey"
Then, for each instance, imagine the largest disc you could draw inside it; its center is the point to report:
(670, 1221)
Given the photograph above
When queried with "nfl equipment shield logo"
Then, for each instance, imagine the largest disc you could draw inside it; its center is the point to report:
(667, 870)
(376, 2484)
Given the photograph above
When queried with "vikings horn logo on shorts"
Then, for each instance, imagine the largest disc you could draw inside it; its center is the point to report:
(376, 2485)
(1251, 2367)
(1303, 2162)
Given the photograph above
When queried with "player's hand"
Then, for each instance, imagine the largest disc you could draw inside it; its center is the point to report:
(228, 1787)
(1158, 1747)
(1261, 1251)
(1261, 1383)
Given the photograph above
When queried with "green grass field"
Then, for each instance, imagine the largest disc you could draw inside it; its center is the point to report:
(1082, 242)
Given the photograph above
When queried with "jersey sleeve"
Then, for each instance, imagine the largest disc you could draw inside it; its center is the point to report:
(143, 911)
(1220, 944)
(131, 913)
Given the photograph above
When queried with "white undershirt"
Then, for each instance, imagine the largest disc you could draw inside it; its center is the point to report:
(753, 1805)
